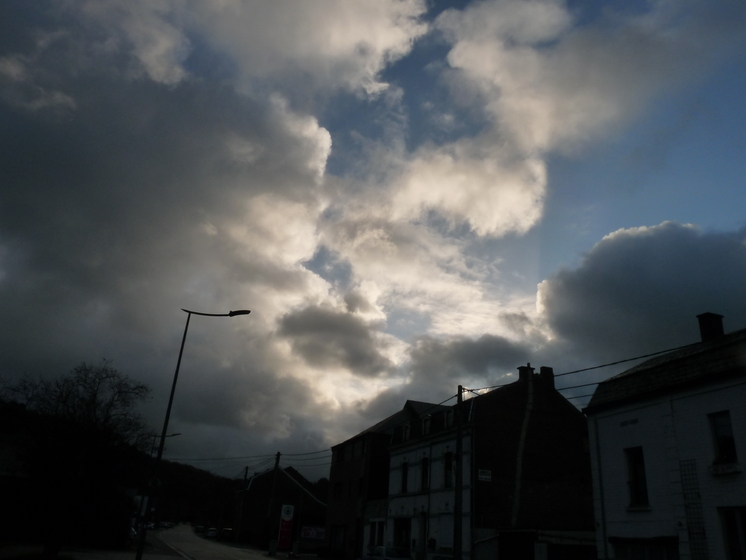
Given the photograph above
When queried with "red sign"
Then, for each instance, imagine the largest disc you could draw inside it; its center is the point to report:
(284, 539)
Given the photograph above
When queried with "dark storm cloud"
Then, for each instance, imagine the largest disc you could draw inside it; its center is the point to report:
(329, 339)
(487, 356)
(123, 200)
(104, 198)
(639, 290)
(437, 367)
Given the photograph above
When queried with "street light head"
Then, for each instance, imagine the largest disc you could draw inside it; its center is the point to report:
(239, 312)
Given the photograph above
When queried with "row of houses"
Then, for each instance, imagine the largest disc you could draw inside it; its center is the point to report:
(648, 470)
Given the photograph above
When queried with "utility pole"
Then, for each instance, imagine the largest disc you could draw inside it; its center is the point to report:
(242, 499)
(458, 506)
(272, 543)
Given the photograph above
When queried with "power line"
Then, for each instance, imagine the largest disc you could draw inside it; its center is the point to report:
(266, 455)
(308, 453)
(576, 386)
(311, 465)
(476, 391)
(306, 458)
(626, 360)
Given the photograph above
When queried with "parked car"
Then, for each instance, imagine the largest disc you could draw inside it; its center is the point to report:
(389, 553)
(211, 533)
(199, 529)
(225, 534)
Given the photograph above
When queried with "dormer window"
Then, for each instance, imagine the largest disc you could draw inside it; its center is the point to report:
(449, 418)
(426, 425)
(406, 431)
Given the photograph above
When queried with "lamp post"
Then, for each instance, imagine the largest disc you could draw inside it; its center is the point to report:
(155, 436)
(141, 540)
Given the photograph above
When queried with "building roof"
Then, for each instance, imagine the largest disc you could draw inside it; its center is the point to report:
(700, 363)
(411, 409)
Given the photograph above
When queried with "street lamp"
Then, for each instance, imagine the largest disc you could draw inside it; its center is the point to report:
(152, 450)
(141, 540)
(178, 364)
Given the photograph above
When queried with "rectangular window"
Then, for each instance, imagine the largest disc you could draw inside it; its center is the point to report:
(426, 425)
(402, 532)
(636, 480)
(404, 477)
(406, 431)
(449, 418)
(380, 532)
(375, 538)
(722, 437)
(424, 473)
(338, 537)
(734, 532)
(448, 470)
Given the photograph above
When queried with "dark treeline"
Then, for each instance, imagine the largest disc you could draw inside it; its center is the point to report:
(74, 455)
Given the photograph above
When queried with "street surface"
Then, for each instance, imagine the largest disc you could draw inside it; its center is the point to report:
(163, 544)
(193, 547)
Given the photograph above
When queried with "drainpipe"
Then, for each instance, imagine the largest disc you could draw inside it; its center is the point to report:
(602, 505)
(525, 373)
(458, 517)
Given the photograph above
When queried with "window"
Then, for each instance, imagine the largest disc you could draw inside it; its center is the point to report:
(734, 532)
(448, 470)
(338, 537)
(404, 476)
(638, 486)
(402, 532)
(449, 418)
(375, 535)
(424, 473)
(426, 425)
(406, 431)
(722, 437)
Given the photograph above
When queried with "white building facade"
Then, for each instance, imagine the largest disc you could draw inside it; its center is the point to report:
(422, 492)
(668, 445)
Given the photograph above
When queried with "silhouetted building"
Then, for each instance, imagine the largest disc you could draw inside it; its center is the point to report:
(261, 507)
(666, 440)
(359, 483)
(526, 483)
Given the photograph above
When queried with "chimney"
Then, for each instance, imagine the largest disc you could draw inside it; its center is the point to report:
(710, 326)
(524, 372)
(547, 376)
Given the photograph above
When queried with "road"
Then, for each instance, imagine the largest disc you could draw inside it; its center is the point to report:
(163, 544)
(193, 547)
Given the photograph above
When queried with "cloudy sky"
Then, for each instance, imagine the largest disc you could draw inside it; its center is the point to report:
(408, 195)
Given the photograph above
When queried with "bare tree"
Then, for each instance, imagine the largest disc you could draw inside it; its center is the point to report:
(95, 398)
(80, 434)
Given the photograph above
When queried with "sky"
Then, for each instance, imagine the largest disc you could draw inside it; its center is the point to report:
(408, 195)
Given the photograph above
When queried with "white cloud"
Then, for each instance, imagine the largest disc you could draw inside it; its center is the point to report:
(493, 195)
(332, 43)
